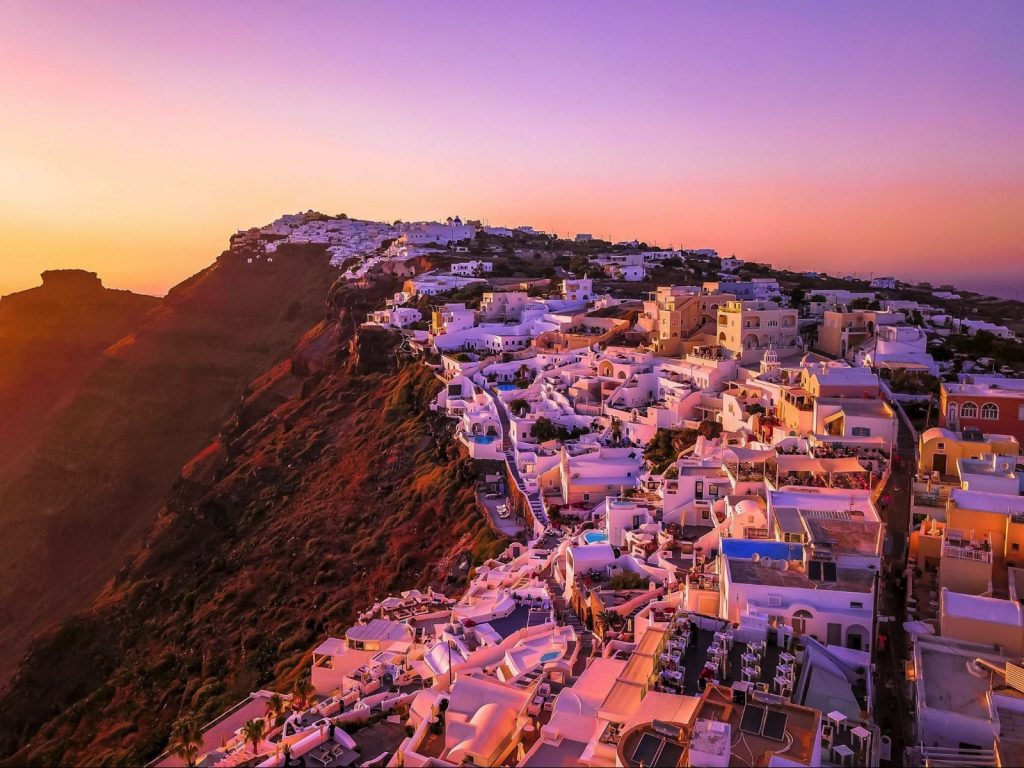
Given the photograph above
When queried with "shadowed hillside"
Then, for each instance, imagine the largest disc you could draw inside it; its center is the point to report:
(51, 337)
(331, 484)
(100, 467)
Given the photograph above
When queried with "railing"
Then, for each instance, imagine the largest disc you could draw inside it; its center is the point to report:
(967, 553)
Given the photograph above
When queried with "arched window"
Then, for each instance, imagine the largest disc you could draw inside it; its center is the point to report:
(969, 411)
(990, 411)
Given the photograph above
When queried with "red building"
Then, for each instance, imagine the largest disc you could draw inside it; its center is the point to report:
(990, 404)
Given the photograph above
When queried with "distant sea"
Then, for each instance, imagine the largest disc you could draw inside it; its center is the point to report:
(1003, 286)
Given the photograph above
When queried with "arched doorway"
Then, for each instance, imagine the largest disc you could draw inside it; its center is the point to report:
(800, 619)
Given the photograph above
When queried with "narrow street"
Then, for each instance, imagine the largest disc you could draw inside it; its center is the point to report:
(891, 709)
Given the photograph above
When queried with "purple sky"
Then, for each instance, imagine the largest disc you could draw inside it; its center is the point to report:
(870, 137)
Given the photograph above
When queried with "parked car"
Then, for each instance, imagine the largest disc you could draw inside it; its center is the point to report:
(492, 495)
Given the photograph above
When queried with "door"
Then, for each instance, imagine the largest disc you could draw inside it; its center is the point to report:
(835, 634)
(939, 463)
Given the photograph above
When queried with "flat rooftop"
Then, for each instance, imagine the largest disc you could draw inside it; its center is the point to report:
(846, 535)
(794, 577)
(748, 744)
(948, 685)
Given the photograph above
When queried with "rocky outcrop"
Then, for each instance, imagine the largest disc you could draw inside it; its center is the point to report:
(96, 469)
(275, 534)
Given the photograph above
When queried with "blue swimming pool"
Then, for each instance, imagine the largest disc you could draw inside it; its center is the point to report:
(747, 548)
(550, 656)
(482, 439)
(595, 537)
(506, 387)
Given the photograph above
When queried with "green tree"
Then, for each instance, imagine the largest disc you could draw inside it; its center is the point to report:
(616, 429)
(544, 429)
(608, 620)
(626, 580)
(253, 731)
(186, 738)
(275, 707)
(302, 692)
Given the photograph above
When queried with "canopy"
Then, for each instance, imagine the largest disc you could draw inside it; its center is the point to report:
(800, 464)
(751, 454)
(847, 464)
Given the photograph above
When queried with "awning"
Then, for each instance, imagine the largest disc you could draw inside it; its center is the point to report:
(800, 464)
(751, 454)
(848, 464)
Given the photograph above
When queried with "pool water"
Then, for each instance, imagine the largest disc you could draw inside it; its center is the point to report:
(550, 656)
(507, 387)
(595, 537)
(482, 439)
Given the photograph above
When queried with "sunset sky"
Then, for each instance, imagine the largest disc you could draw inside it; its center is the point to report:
(885, 137)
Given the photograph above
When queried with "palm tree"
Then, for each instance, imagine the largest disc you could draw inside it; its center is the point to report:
(616, 430)
(186, 737)
(608, 620)
(275, 707)
(254, 730)
(301, 694)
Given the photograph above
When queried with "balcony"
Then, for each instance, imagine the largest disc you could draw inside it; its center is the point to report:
(967, 551)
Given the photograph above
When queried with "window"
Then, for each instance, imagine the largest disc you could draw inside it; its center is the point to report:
(586, 497)
(855, 604)
(698, 489)
(990, 411)
(969, 411)
(705, 514)
(940, 446)
(1020, 413)
(1015, 547)
(861, 432)
(713, 490)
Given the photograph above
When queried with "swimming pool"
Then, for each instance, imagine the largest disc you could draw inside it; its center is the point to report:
(506, 387)
(550, 656)
(481, 439)
(595, 537)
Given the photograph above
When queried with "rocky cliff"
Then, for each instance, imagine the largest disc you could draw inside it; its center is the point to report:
(329, 485)
(116, 392)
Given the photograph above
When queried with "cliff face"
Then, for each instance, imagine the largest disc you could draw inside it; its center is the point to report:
(330, 485)
(51, 338)
(80, 491)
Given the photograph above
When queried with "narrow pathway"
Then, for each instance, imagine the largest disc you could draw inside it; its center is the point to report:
(532, 497)
(890, 705)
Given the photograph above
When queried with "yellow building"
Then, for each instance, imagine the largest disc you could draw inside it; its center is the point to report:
(941, 448)
(747, 328)
(674, 314)
(842, 332)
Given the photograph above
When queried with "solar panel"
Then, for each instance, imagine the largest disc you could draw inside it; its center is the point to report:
(775, 725)
(671, 754)
(753, 716)
(647, 750)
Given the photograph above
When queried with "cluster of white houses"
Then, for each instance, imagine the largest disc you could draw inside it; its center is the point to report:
(704, 549)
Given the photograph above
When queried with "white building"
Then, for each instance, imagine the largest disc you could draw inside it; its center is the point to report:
(581, 289)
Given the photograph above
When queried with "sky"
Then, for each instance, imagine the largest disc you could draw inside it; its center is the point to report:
(868, 137)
